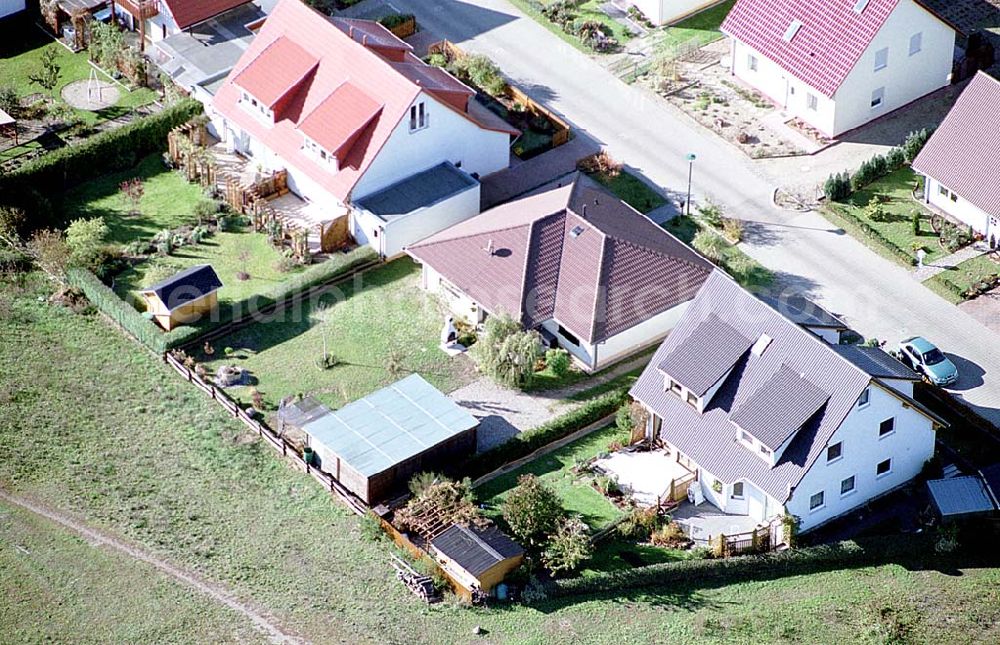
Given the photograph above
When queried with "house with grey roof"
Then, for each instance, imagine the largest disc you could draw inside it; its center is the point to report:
(592, 274)
(772, 419)
(961, 159)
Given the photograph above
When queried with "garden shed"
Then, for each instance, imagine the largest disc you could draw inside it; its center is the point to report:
(477, 558)
(960, 497)
(183, 297)
(375, 444)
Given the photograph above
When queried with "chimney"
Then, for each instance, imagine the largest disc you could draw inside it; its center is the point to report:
(584, 213)
(489, 247)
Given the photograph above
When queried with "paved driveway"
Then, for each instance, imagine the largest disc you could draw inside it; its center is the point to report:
(810, 256)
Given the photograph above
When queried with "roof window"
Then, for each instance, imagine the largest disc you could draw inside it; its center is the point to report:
(860, 6)
(792, 30)
(761, 344)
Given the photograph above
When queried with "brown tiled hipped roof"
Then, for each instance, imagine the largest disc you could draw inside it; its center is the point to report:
(570, 252)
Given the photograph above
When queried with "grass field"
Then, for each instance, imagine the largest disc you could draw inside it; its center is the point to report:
(698, 30)
(555, 469)
(86, 591)
(962, 277)
(380, 330)
(898, 228)
(631, 190)
(92, 424)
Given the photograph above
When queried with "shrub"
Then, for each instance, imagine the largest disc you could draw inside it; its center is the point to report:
(568, 548)
(102, 297)
(670, 536)
(711, 213)
(639, 524)
(732, 228)
(437, 60)
(532, 510)
(395, 19)
(84, 238)
(10, 102)
(558, 361)
(711, 245)
(481, 72)
(837, 187)
(895, 159)
(915, 222)
(875, 210)
(206, 209)
(371, 528)
(915, 142)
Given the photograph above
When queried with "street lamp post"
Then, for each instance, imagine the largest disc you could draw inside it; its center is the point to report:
(690, 159)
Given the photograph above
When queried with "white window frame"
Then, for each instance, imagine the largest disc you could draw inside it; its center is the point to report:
(822, 501)
(854, 486)
(916, 43)
(878, 98)
(742, 494)
(838, 457)
(883, 435)
(752, 63)
(419, 117)
(881, 59)
(887, 472)
(812, 102)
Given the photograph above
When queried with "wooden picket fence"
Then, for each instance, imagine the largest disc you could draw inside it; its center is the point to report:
(270, 437)
(760, 540)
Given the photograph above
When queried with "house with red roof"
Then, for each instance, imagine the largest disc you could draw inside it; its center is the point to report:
(159, 19)
(571, 260)
(839, 64)
(961, 160)
(351, 113)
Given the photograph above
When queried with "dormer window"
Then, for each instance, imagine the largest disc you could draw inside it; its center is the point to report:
(764, 450)
(418, 117)
(319, 153)
(692, 399)
(255, 107)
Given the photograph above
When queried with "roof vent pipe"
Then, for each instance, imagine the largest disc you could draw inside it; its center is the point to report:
(489, 247)
(584, 213)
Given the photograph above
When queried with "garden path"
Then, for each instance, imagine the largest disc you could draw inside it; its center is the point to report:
(931, 269)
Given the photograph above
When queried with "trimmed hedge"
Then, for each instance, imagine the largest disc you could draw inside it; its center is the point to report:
(905, 256)
(102, 297)
(917, 549)
(27, 187)
(529, 441)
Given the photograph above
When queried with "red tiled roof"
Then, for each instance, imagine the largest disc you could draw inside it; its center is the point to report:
(293, 35)
(573, 253)
(827, 46)
(188, 13)
(964, 152)
(280, 67)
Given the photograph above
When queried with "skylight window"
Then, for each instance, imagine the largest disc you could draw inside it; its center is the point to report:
(792, 30)
(860, 6)
(577, 231)
(761, 344)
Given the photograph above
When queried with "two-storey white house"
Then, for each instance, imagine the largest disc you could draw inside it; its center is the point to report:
(352, 115)
(773, 419)
(839, 64)
(961, 160)
(663, 12)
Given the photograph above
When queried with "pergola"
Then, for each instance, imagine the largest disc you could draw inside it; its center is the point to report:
(8, 126)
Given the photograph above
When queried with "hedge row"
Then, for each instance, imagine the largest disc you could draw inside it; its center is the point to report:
(905, 256)
(801, 561)
(529, 441)
(102, 297)
(316, 274)
(839, 186)
(27, 187)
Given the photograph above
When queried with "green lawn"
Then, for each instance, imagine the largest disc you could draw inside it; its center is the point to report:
(950, 283)
(114, 436)
(18, 59)
(555, 469)
(222, 251)
(631, 190)
(897, 229)
(380, 329)
(168, 202)
(95, 593)
(588, 10)
(698, 30)
(744, 269)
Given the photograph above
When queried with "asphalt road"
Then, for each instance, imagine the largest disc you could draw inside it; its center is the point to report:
(810, 256)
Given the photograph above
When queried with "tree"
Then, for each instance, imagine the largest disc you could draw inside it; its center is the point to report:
(532, 510)
(50, 253)
(507, 353)
(448, 501)
(84, 238)
(568, 548)
(133, 190)
(47, 73)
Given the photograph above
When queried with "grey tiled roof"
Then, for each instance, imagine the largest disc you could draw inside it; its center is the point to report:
(709, 351)
(779, 407)
(709, 438)
(190, 284)
(804, 312)
(876, 362)
(474, 549)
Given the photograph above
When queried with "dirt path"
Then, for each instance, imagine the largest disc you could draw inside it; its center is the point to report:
(213, 591)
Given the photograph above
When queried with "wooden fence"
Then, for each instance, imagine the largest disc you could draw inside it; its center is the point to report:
(279, 443)
(561, 129)
(405, 29)
(760, 540)
(677, 491)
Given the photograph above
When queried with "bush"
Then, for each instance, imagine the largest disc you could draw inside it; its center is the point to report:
(837, 187)
(532, 510)
(568, 548)
(527, 442)
(639, 524)
(915, 222)
(10, 102)
(915, 142)
(206, 209)
(111, 150)
(558, 361)
(711, 245)
(671, 536)
(895, 159)
(481, 72)
(84, 237)
(711, 213)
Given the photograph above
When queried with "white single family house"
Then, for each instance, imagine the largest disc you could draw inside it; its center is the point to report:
(838, 64)
(664, 12)
(159, 19)
(589, 272)
(347, 109)
(772, 419)
(961, 160)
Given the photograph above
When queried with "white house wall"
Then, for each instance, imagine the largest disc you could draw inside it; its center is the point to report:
(909, 447)
(424, 222)
(666, 11)
(648, 332)
(961, 209)
(784, 90)
(461, 305)
(448, 137)
(906, 78)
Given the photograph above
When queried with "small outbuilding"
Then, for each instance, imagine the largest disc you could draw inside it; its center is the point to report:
(375, 444)
(476, 558)
(184, 297)
(958, 498)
